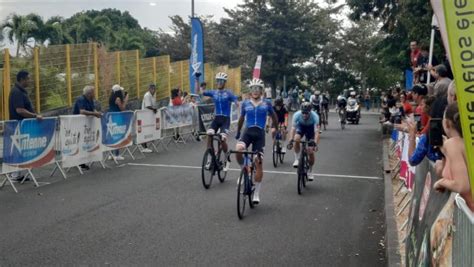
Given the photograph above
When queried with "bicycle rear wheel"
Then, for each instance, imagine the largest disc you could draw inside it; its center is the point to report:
(207, 169)
(221, 161)
(241, 196)
(275, 154)
(301, 174)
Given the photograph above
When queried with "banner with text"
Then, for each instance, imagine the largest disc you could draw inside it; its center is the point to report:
(177, 116)
(28, 144)
(117, 130)
(80, 140)
(206, 116)
(147, 126)
(196, 62)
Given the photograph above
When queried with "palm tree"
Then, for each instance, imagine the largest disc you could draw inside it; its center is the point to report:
(20, 29)
(126, 41)
(57, 31)
(91, 30)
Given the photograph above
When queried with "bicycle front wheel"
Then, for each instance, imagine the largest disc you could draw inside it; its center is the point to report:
(241, 196)
(221, 162)
(275, 154)
(207, 169)
(281, 155)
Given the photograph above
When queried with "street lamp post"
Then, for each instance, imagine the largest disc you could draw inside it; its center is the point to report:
(192, 8)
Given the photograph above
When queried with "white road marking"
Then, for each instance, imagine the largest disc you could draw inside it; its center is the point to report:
(273, 172)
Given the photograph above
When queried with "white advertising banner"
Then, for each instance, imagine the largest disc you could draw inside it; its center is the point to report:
(80, 140)
(177, 116)
(147, 126)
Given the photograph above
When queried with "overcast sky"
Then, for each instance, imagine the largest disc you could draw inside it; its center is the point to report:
(153, 14)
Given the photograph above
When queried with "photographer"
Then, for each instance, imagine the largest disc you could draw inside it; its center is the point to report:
(453, 167)
(117, 103)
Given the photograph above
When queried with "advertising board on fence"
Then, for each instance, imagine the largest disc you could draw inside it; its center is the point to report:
(28, 144)
(429, 210)
(177, 116)
(117, 130)
(147, 126)
(206, 116)
(80, 140)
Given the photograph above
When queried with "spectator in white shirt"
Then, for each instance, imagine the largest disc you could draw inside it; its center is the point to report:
(149, 103)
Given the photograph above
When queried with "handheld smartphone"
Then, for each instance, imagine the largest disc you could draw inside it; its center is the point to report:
(418, 122)
(436, 132)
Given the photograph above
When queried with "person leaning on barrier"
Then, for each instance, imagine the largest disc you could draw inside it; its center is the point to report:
(84, 105)
(453, 167)
(149, 103)
(117, 103)
(20, 107)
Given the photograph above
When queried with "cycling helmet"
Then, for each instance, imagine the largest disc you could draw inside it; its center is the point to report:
(279, 102)
(317, 92)
(221, 76)
(353, 93)
(306, 107)
(256, 82)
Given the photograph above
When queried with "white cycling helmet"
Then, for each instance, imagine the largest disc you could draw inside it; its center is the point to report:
(317, 92)
(221, 76)
(353, 93)
(256, 83)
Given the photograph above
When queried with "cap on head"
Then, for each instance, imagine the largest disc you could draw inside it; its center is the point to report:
(117, 88)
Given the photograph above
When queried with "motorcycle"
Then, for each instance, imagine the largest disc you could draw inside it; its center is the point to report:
(353, 111)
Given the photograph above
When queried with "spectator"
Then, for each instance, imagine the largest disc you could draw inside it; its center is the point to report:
(440, 73)
(176, 97)
(149, 103)
(452, 93)
(417, 152)
(307, 95)
(367, 100)
(268, 93)
(419, 91)
(84, 105)
(453, 168)
(422, 69)
(20, 107)
(414, 53)
(117, 103)
(407, 108)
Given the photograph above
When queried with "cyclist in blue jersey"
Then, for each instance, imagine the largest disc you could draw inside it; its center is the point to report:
(305, 124)
(222, 99)
(254, 112)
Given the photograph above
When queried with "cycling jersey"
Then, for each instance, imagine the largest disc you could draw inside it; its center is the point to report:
(256, 116)
(222, 101)
(282, 114)
(299, 120)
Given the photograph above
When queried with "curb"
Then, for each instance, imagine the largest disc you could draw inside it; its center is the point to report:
(391, 231)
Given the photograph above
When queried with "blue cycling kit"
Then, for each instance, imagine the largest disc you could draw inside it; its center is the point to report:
(298, 120)
(222, 101)
(423, 149)
(256, 116)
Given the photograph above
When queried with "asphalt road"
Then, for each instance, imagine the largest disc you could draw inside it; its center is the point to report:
(146, 213)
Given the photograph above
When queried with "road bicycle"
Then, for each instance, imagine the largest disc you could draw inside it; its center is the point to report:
(324, 117)
(303, 165)
(342, 117)
(278, 156)
(245, 184)
(213, 162)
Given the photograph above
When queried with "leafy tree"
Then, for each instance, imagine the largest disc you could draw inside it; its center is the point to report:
(20, 29)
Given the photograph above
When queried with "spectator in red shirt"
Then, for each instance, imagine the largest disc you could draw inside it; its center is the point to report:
(176, 99)
(407, 108)
(415, 52)
(419, 91)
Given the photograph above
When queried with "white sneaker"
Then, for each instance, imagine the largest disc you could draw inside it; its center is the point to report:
(283, 150)
(147, 150)
(119, 158)
(310, 177)
(296, 163)
(227, 166)
(256, 197)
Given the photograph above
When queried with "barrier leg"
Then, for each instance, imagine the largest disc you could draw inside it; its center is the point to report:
(400, 188)
(32, 178)
(54, 171)
(404, 207)
(127, 150)
(9, 179)
(61, 170)
(404, 225)
(401, 201)
(154, 147)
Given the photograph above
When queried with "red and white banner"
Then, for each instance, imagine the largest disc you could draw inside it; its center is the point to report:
(147, 126)
(258, 66)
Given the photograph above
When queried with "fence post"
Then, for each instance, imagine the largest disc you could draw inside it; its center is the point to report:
(96, 71)
(118, 66)
(68, 75)
(6, 85)
(181, 74)
(37, 80)
(169, 75)
(137, 58)
(154, 70)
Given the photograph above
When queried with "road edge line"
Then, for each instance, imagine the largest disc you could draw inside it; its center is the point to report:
(392, 247)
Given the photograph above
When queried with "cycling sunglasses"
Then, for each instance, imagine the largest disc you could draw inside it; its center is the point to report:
(305, 112)
(255, 89)
(220, 81)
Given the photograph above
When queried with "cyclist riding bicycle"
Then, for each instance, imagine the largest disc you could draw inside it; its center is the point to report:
(305, 124)
(282, 115)
(222, 99)
(254, 112)
(316, 105)
(341, 103)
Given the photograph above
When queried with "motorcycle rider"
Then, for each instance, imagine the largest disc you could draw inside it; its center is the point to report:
(354, 101)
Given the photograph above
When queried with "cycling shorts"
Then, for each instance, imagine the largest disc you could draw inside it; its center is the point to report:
(221, 123)
(254, 136)
(306, 131)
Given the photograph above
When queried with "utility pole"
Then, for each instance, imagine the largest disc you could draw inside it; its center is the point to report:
(192, 8)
